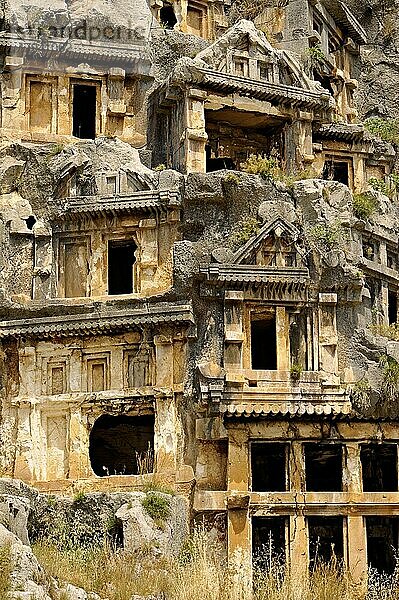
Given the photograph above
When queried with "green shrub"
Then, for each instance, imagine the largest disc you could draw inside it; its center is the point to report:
(266, 167)
(390, 377)
(295, 371)
(79, 497)
(361, 393)
(232, 178)
(244, 231)
(388, 186)
(327, 236)
(389, 331)
(386, 129)
(316, 55)
(364, 205)
(158, 486)
(157, 507)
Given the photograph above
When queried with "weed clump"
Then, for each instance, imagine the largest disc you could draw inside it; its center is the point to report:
(388, 186)
(157, 507)
(244, 231)
(386, 129)
(326, 237)
(364, 205)
(266, 167)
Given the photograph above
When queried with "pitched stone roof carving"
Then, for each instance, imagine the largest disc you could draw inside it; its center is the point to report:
(105, 320)
(215, 55)
(254, 242)
(344, 17)
(209, 71)
(152, 200)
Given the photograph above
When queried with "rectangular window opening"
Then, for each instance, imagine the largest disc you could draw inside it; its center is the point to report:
(326, 540)
(84, 111)
(121, 260)
(336, 171)
(382, 543)
(268, 542)
(264, 343)
(368, 249)
(379, 467)
(323, 467)
(392, 306)
(269, 467)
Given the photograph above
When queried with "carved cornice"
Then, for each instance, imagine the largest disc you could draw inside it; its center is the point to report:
(105, 320)
(340, 131)
(133, 54)
(277, 93)
(130, 203)
(283, 283)
(343, 16)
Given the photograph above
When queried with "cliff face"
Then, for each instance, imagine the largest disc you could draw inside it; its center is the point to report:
(378, 70)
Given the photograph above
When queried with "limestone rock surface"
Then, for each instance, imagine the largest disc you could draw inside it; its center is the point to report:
(162, 536)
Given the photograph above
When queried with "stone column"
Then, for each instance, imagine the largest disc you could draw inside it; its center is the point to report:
(167, 431)
(383, 253)
(297, 468)
(239, 529)
(357, 550)
(164, 361)
(148, 263)
(238, 460)
(23, 468)
(79, 461)
(299, 549)
(233, 330)
(98, 272)
(352, 479)
(196, 136)
(359, 175)
(384, 301)
(352, 469)
(283, 339)
(64, 126)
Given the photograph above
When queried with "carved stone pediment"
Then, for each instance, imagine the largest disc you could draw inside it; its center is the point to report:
(244, 51)
(276, 245)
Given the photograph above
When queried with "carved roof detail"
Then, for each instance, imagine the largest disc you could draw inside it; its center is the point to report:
(105, 321)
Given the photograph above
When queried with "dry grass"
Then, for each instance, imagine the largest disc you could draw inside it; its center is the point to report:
(199, 575)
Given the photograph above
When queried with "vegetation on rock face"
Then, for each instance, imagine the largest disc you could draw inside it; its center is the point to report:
(326, 237)
(386, 129)
(244, 231)
(157, 507)
(266, 167)
(390, 378)
(316, 55)
(389, 331)
(364, 205)
(5, 570)
(361, 394)
(269, 168)
(388, 186)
